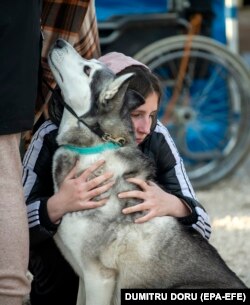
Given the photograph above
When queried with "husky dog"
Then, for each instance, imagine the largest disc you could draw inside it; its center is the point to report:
(105, 247)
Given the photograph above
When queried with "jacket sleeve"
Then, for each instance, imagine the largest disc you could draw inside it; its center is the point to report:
(172, 177)
(38, 183)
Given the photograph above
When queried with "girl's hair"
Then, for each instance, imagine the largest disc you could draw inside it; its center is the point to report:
(144, 82)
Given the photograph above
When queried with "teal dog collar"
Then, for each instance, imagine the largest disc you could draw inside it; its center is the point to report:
(93, 149)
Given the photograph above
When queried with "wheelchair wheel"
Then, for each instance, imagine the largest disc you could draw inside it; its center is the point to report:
(210, 115)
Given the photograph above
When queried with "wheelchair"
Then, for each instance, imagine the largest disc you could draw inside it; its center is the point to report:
(205, 104)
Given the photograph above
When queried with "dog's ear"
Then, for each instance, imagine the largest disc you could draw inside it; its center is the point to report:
(116, 85)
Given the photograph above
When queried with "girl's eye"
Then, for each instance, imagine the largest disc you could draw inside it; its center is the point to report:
(135, 115)
(86, 70)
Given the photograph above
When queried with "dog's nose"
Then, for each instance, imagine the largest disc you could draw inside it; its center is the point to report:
(60, 43)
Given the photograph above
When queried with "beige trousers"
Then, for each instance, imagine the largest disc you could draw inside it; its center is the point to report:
(14, 242)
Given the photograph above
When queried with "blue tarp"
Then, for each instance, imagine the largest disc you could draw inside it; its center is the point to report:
(108, 8)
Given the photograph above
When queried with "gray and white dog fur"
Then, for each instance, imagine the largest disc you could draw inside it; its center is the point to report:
(105, 247)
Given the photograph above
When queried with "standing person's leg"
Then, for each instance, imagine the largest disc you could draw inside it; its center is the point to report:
(19, 62)
(14, 253)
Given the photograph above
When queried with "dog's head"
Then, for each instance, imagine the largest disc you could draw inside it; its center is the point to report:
(91, 89)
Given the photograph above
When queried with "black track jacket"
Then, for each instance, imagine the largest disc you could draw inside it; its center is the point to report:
(159, 146)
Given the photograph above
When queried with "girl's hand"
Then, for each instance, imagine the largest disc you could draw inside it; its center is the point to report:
(155, 200)
(77, 193)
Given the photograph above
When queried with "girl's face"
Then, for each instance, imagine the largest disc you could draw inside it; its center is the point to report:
(142, 117)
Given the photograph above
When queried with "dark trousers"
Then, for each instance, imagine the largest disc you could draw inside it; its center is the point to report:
(19, 63)
(55, 282)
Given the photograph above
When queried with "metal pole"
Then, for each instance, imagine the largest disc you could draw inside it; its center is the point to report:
(232, 30)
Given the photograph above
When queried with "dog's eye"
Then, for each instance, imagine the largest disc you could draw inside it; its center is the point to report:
(86, 70)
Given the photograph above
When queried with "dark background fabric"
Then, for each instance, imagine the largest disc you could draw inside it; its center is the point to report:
(19, 63)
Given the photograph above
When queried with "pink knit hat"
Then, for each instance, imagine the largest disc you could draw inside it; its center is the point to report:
(118, 61)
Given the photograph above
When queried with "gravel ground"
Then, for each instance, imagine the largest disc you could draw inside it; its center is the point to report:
(228, 204)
